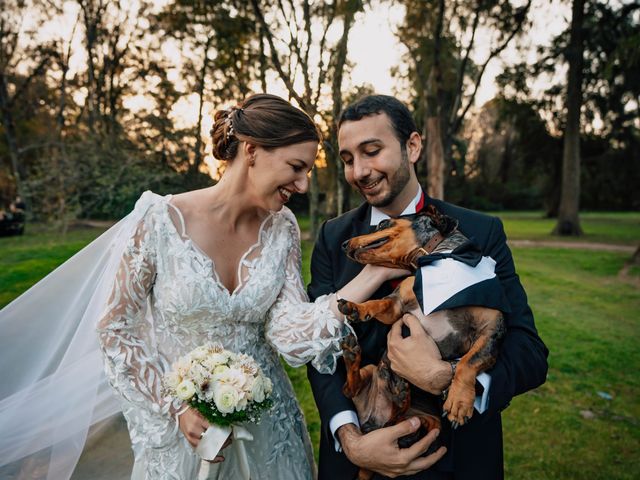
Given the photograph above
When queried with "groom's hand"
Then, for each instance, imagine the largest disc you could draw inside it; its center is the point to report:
(378, 450)
(417, 358)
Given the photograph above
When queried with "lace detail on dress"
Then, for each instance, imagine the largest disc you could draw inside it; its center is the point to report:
(167, 300)
(302, 332)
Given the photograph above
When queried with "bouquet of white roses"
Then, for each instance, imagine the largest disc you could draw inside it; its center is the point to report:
(225, 387)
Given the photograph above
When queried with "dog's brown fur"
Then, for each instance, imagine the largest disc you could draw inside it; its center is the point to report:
(382, 398)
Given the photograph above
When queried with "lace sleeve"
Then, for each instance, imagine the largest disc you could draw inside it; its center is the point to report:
(300, 331)
(133, 365)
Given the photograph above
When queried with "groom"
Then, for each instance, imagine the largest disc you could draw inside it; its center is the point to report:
(379, 145)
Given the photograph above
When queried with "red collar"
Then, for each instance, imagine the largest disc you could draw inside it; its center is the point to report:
(420, 204)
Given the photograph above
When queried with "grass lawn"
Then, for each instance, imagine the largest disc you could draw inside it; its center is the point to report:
(584, 422)
(621, 228)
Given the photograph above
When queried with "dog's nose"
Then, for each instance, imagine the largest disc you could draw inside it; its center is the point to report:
(345, 246)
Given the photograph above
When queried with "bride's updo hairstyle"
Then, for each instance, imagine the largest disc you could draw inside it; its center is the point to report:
(264, 120)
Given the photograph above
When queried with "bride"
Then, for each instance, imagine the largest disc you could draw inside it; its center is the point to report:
(220, 264)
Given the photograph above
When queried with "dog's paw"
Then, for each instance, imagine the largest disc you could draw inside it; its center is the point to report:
(350, 310)
(343, 306)
(458, 407)
(400, 392)
(350, 348)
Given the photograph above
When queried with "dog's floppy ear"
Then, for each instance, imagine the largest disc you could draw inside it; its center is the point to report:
(443, 223)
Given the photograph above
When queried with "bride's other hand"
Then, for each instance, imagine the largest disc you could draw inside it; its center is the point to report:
(220, 458)
(365, 284)
(192, 425)
(385, 273)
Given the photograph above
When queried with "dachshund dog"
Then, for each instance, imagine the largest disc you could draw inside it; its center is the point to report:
(469, 332)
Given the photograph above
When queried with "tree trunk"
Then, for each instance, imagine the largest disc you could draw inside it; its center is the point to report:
(198, 158)
(435, 159)
(339, 60)
(314, 205)
(90, 26)
(263, 63)
(10, 135)
(435, 151)
(568, 220)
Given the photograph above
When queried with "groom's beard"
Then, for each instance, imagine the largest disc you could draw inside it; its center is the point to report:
(396, 183)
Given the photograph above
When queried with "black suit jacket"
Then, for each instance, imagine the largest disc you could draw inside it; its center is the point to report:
(474, 450)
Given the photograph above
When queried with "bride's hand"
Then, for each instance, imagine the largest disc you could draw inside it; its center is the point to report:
(385, 273)
(193, 425)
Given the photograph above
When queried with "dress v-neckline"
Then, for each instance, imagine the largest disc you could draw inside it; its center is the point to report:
(187, 240)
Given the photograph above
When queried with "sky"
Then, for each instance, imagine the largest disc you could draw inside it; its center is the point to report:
(373, 51)
(374, 48)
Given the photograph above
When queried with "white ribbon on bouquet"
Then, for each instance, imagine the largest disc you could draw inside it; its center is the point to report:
(213, 439)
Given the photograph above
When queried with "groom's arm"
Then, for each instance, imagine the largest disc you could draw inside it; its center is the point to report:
(327, 389)
(378, 450)
(522, 361)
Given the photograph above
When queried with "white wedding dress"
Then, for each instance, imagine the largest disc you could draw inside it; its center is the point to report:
(166, 299)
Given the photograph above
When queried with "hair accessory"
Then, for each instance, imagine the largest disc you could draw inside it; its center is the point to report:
(229, 124)
(228, 121)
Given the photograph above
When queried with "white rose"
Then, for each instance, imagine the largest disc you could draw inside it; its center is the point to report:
(172, 380)
(185, 390)
(220, 370)
(218, 358)
(182, 366)
(242, 403)
(226, 398)
(268, 386)
(200, 353)
(257, 390)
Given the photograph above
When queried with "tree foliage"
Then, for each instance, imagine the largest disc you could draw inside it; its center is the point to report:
(446, 69)
(610, 115)
(94, 95)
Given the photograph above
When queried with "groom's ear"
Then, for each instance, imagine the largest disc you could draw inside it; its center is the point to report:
(414, 147)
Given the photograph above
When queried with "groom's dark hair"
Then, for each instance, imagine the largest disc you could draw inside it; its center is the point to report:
(401, 119)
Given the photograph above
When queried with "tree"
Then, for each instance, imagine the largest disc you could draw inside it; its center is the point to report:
(510, 157)
(610, 110)
(19, 51)
(568, 219)
(217, 40)
(442, 42)
(294, 58)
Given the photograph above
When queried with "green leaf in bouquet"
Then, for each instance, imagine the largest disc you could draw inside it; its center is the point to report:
(251, 414)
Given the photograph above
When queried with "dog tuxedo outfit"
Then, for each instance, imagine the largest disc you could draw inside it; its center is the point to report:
(458, 278)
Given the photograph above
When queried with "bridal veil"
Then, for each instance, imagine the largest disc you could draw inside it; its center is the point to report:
(52, 381)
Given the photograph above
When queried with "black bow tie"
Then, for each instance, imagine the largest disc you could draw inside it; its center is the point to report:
(467, 253)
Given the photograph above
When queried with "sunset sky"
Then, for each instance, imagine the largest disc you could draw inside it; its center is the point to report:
(373, 50)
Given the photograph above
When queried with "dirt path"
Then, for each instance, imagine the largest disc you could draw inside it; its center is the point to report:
(602, 247)
(108, 455)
